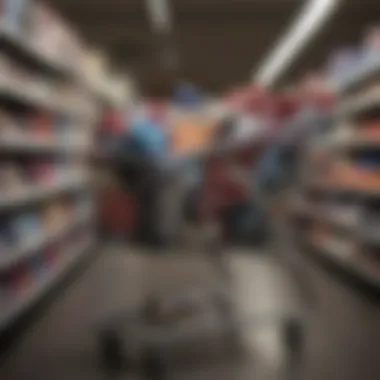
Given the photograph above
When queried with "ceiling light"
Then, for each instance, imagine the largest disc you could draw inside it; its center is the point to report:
(313, 16)
(159, 15)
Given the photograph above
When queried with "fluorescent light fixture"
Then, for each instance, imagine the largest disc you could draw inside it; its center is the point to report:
(159, 15)
(161, 23)
(313, 15)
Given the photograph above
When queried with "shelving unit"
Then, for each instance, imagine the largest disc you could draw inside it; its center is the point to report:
(42, 240)
(37, 193)
(362, 270)
(36, 145)
(14, 39)
(345, 167)
(358, 104)
(14, 307)
(47, 119)
(355, 77)
(28, 97)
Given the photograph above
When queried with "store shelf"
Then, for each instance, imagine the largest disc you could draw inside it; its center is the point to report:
(25, 50)
(372, 192)
(33, 145)
(36, 193)
(325, 217)
(357, 230)
(361, 270)
(19, 304)
(39, 242)
(353, 143)
(30, 98)
(330, 247)
(42, 88)
(359, 104)
(365, 71)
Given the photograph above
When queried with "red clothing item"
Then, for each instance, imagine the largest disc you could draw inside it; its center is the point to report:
(221, 188)
(117, 211)
(227, 178)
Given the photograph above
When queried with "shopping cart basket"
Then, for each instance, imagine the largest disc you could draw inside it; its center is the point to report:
(197, 329)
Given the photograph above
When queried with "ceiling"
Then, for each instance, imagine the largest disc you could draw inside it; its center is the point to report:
(219, 42)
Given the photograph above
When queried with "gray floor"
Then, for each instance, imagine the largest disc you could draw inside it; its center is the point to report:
(62, 345)
(343, 331)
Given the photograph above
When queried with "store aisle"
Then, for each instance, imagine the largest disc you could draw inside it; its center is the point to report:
(62, 344)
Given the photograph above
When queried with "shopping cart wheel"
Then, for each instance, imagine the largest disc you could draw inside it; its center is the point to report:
(293, 335)
(112, 351)
(153, 364)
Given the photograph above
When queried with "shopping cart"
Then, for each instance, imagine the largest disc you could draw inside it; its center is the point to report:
(197, 330)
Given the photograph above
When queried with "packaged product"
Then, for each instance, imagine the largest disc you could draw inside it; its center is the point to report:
(15, 13)
(12, 179)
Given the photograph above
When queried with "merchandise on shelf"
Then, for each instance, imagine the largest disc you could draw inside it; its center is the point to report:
(371, 43)
(40, 124)
(41, 28)
(370, 129)
(346, 213)
(27, 228)
(10, 128)
(343, 62)
(42, 129)
(51, 256)
(41, 172)
(18, 280)
(12, 179)
(55, 216)
(15, 13)
(26, 231)
(45, 111)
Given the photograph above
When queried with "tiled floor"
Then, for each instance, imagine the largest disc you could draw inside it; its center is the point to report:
(62, 345)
